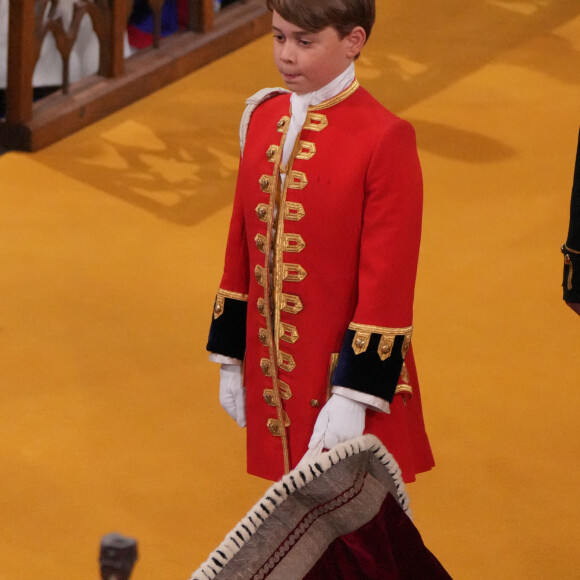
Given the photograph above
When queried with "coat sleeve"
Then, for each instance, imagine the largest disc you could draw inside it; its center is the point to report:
(379, 336)
(571, 249)
(227, 334)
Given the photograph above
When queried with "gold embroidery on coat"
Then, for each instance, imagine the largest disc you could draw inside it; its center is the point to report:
(337, 99)
(282, 125)
(272, 153)
(263, 336)
(220, 300)
(284, 389)
(277, 426)
(293, 243)
(306, 151)
(404, 373)
(261, 242)
(315, 122)
(286, 361)
(296, 180)
(363, 334)
(293, 211)
(288, 332)
(293, 273)
(291, 303)
(267, 184)
(262, 307)
(265, 365)
(260, 274)
(262, 211)
(218, 308)
(360, 342)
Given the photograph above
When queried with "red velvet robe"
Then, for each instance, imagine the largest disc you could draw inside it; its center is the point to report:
(319, 277)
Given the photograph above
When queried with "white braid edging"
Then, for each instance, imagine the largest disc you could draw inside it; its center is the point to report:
(290, 483)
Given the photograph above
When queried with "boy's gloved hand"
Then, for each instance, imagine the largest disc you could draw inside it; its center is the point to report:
(233, 393)
(339, 420)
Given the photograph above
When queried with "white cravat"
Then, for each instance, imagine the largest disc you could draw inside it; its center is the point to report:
(300, 104)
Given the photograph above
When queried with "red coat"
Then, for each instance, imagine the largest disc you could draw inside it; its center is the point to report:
(333, 292)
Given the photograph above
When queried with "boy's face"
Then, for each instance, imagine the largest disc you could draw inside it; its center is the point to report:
(308, 61)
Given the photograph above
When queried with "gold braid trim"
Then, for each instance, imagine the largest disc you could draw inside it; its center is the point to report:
(362, 338)
(335, 100)
(567, 249)
(220, 300)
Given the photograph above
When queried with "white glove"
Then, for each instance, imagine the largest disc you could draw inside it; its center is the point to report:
(233, 393)
(339, 420)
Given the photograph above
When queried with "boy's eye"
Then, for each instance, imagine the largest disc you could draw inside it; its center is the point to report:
(278, 37)
(305, 42)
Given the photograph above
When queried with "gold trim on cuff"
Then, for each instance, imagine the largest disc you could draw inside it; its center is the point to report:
(363, 333)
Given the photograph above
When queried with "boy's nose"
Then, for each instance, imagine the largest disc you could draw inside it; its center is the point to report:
(287, 53)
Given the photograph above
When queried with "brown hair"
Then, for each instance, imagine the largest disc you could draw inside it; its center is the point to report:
(314, 15)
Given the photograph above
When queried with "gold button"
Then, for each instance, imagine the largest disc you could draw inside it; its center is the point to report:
(263, 336)
(265, 366)
(260, 243)
(360, 342)
(261, 307)
(264, 183)
(262, 211)
(385, 348)
(217, 308)
(281, 123)
(315, 403)
(271, 152)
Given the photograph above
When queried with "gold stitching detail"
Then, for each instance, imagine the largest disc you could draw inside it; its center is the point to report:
(286, 361)
(218, 308)
(263, 336)
(262, 306)
(404, 373)
(405, 391)
(293, 243)
(282, 125)
(220, 300)
(285, 391)
(234, 295)
(260, 274)
(290, 303)
(337, 99)
(293, 211)
(315, 122)
(261, 242)
(266, 367)
(267, 183)
(307, 150)
(262, 211)
(297, 180)
(272, 153)
(288, 332)
(360, 342)
(363, 333)
(293, 273)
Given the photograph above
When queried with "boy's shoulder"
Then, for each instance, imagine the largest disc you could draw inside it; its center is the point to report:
(252, 103)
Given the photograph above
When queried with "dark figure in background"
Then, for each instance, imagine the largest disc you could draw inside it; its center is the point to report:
(571, 249)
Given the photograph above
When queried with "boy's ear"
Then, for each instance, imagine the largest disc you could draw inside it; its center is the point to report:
(355, 41)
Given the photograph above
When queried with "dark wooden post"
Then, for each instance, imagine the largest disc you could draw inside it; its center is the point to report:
(21, 61)
(200, 15)
(119, 15)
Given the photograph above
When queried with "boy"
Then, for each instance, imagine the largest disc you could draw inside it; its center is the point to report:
(317, 292)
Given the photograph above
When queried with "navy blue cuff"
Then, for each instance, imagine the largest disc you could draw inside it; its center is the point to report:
(366, 372)
(227, 333)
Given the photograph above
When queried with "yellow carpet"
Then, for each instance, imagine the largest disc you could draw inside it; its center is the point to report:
(111, 252)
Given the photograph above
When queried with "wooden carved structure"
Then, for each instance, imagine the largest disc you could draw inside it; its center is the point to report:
(29, 125)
